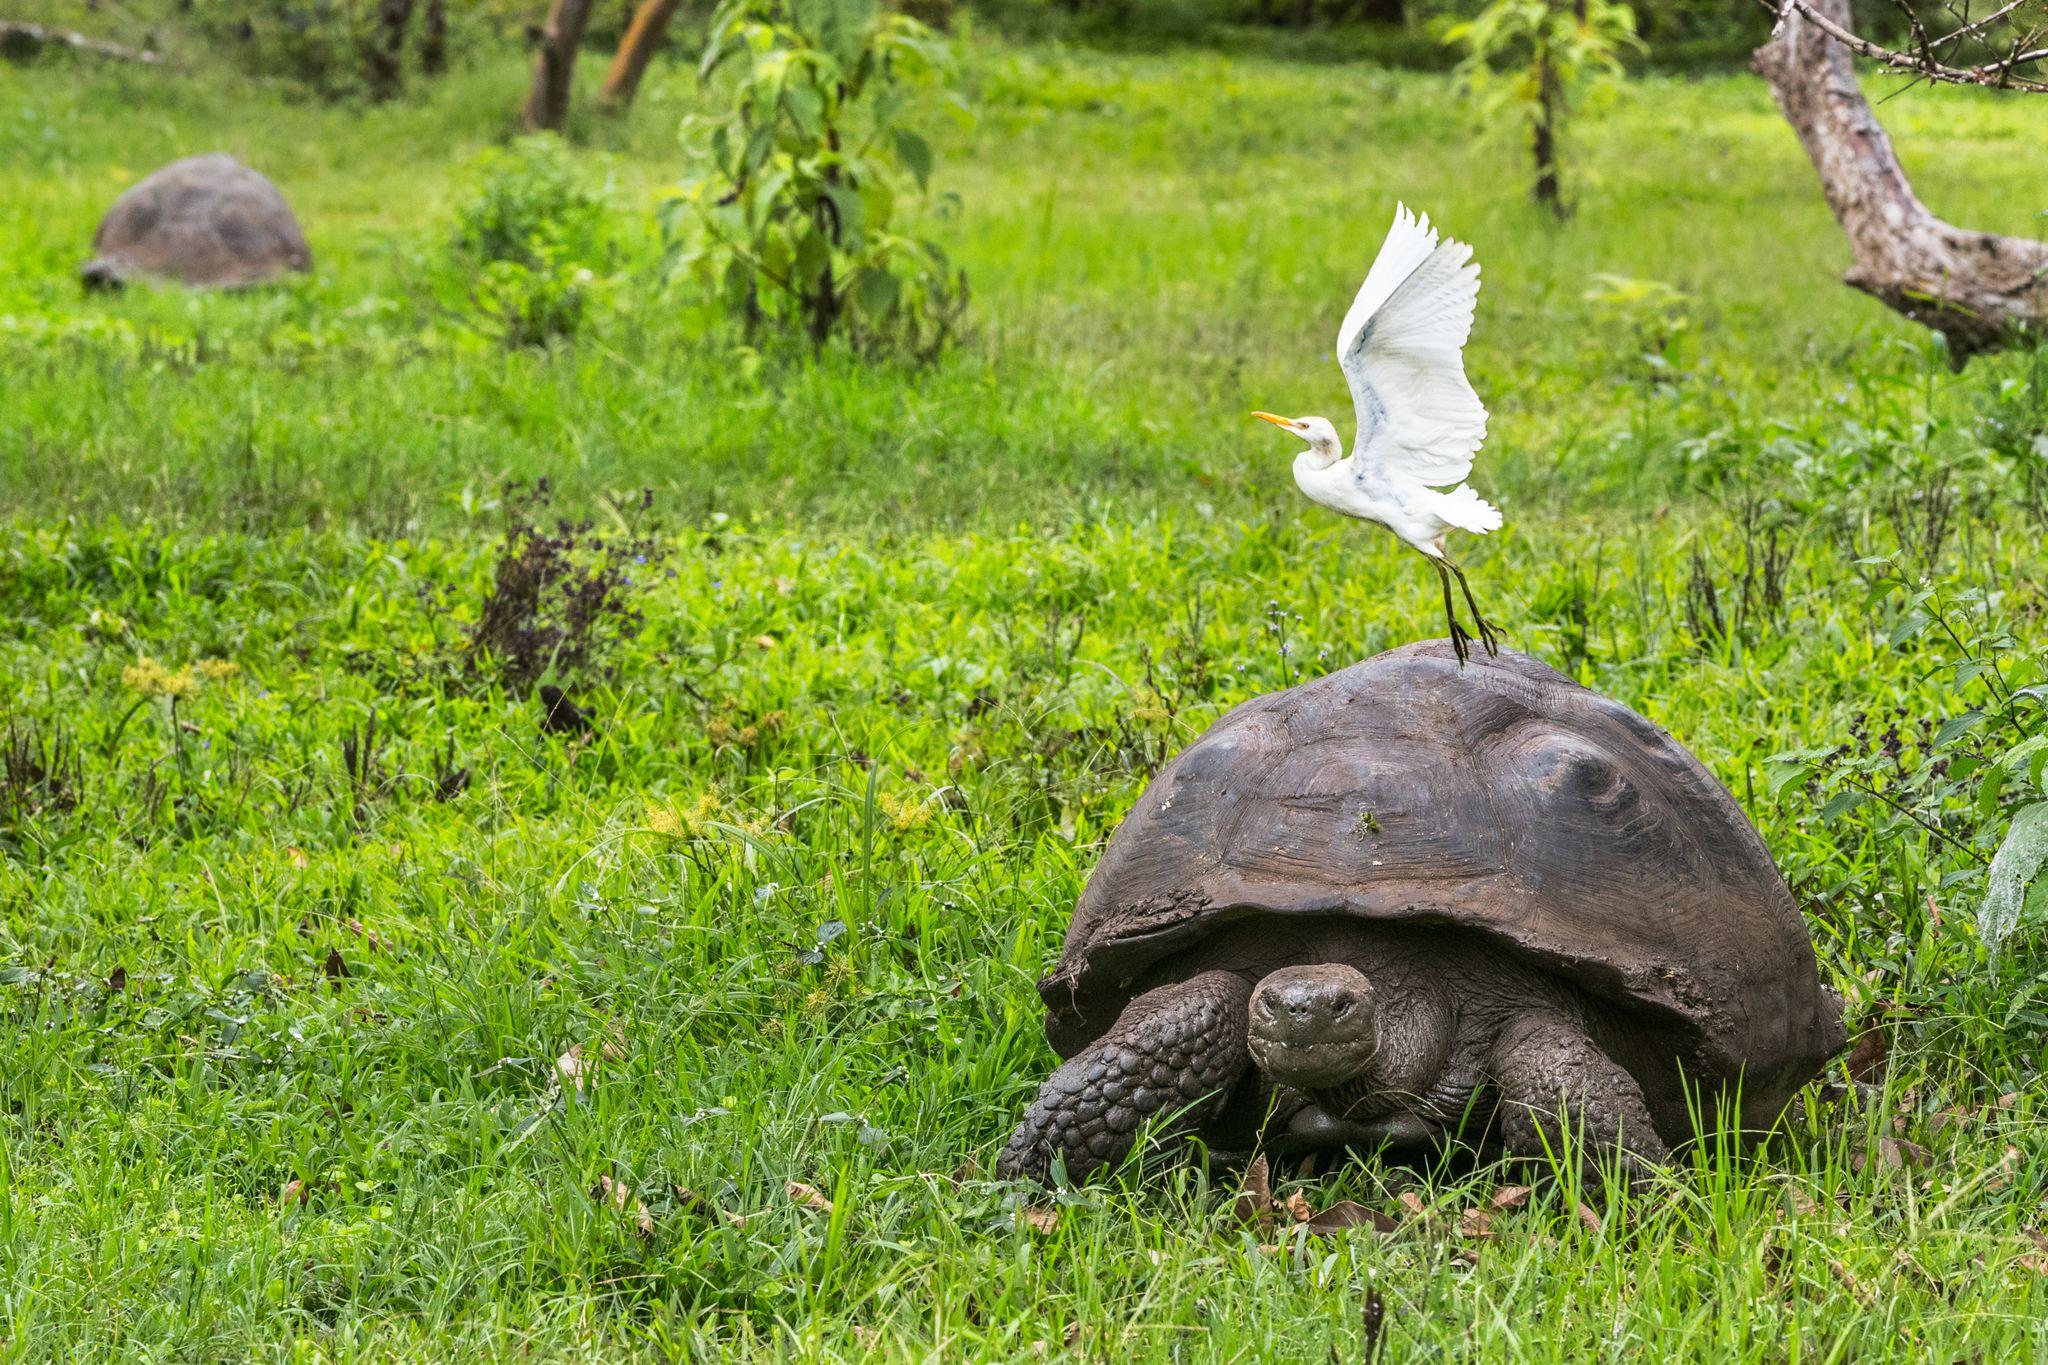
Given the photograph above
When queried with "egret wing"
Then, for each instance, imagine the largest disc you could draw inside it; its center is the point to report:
(1402, 351)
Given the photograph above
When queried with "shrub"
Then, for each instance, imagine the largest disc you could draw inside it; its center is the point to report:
(791, 214)
(530, 242)
(1536, 58)
(561, 595)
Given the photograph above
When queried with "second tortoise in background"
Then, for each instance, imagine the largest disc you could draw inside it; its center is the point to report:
(206, 221)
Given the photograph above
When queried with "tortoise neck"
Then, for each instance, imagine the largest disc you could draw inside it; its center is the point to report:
(1416, 1024)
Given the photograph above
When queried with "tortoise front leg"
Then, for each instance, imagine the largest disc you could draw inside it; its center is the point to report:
(1175, 1051)
(1547, 1070)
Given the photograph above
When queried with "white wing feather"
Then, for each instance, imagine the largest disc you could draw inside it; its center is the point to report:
(1401, 348)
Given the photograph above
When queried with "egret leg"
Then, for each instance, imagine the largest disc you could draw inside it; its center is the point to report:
(1486, 631)
(1458, 635)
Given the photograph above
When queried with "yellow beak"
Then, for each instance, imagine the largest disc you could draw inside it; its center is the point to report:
(1276, 421)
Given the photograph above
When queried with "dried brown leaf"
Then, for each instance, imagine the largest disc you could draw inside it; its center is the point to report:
(1509, 1197)
(1893, 1154)
(1298, 1208)
(579, 1064)
(334, 969)
(1476, 1224)
(294, 1192)
(807, 1197)
(1042, 1219)
(1867, 1058)
(1348, 1214)
(1412, 1202)
(964, 1172)
(117, 981)
(619, 1195)
(296, 856)
(1254, 1202)
(1851, 1283)
(1589, 1217)
(694, 1203)
(370, 937)
(1803, 1204)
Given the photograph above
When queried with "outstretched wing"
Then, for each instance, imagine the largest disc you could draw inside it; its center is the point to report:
(1401, 348)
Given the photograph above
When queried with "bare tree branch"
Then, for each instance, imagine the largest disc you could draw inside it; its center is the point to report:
(1980, 290)
(1998, 74)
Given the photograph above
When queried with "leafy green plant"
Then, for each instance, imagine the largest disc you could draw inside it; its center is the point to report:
(1967, 775)
(530, 241)
(792, 213)
(1538, 58)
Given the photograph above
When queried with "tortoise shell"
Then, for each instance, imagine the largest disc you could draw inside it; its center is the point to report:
(1501, 799)
(206, 220)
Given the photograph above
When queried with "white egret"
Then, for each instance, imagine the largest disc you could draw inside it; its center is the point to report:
(1419, 423)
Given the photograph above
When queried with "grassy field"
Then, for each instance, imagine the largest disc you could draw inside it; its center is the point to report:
(350, 1014)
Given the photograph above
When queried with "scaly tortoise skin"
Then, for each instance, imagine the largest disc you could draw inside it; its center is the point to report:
(206, 221)
(1409, 900)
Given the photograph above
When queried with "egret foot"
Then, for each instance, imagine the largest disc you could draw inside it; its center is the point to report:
(1486, 631)
(1460, 638)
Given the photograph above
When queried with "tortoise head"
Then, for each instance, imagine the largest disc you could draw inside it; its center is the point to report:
(1314, 1027)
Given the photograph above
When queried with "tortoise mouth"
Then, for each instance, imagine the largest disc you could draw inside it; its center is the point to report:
(1313, 1027)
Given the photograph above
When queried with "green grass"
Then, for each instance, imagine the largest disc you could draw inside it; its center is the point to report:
(916, 642)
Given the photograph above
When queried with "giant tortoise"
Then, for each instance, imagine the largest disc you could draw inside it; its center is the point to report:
(207, 220)
(1409, 899)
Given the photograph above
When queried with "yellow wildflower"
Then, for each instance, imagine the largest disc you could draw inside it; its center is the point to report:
(152, 679)
(683, 823)
(217, 670)
(904, 814)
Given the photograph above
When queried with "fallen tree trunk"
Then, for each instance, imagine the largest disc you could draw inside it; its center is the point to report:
(643, 39)
(20, 39)
(1980, 290)
(554, 63)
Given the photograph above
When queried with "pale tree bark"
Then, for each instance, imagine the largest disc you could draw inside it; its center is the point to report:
(643, 39)
(18, 39)
(1980, 290)
(554, 63)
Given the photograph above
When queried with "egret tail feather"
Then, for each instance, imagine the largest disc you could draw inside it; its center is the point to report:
(1466, 510)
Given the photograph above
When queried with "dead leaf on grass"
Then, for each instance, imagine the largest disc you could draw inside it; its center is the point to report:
(1348, 1214)
(294, 1192)
(579, 1064)
(619, 1195)
(1509, 1197)
(694, 1203)
(1412, 1202)
(807, 1197)
(1589, 1217)
(1042, 1219)
(1893, 1154)
(1867, 1058)
(1803, 1204)
(1476, 1224)
(1254, 1202)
